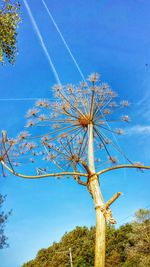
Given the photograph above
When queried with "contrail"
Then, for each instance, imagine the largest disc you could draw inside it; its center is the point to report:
(74, 60)
(18, 99)
(25, 99)
(66, 45)
(42, 42)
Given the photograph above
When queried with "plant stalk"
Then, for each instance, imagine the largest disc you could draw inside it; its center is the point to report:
(98, 202)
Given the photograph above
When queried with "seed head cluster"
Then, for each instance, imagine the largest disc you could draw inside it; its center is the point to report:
(63, 126)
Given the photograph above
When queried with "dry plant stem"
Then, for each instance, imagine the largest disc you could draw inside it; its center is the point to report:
(123, 166)
(112, 199)
(42, 176)
(100, 222)
(99, 204)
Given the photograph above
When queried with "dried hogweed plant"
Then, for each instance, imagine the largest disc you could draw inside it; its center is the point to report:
(77, 134)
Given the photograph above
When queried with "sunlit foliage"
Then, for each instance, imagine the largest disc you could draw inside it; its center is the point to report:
(138, 250)
(3, 219)
(125, 247)
(9, 20)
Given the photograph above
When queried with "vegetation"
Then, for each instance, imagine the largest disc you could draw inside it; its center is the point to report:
(72, 129)
(125, 246)
(9, 20)
(3, 220)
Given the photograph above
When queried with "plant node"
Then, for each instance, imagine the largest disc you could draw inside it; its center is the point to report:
(84, 120)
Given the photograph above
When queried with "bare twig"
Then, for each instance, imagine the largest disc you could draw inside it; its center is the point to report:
(112, 199)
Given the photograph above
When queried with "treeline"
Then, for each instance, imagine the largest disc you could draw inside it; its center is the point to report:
(127, 246)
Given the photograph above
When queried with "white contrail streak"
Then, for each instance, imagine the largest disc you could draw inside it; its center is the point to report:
(74, 60)
(25, 99)
(66, 45)
(42, 42)
(18, 99)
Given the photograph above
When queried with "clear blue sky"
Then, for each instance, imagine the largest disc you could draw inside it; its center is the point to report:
(109, 37)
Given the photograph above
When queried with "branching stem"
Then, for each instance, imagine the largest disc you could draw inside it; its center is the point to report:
(44, 175)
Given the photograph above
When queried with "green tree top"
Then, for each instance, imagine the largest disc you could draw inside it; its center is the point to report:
(3, 220)
(9, 20)
(125, 246)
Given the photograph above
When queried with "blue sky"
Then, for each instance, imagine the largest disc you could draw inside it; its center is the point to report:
(109, 37)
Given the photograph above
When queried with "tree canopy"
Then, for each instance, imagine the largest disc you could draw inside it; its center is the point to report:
(9, 20)
(3, 219)
(125, 247)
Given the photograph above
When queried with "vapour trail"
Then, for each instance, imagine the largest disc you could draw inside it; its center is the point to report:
(74, 60)
(26, 99)
(64, 41)
(66, 45)
(18, 99)
(42, 41)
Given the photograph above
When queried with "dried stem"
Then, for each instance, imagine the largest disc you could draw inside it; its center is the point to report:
(112, 199)
(44, 175)
(123, 166)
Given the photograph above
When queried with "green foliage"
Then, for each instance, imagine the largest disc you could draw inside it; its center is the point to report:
(81, 242)
(117, 240)
(9, 20)
(125, 246)
(3, 220)
(138, 250)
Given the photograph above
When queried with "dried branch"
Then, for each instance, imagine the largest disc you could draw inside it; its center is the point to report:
(123, 166)
(44, 175)
(112, 199)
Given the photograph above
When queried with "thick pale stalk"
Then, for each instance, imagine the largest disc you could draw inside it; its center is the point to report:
(100, 239)
(91, 148)
(70, 254)
(99, 204)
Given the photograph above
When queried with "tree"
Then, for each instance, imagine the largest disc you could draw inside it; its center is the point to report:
(138, 249)
(117, 240)
(81, 119)
(3, 220)
(9, 20)
(81, 240)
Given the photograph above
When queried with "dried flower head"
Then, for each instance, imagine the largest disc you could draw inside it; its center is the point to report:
(30, 123)
(119, 131)
(66, 122)
(124, 103)
(126, 118)
(113, 160)
(43, 103)
(94, 77)
(32, 112)
(42, 117)
(23, 135)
